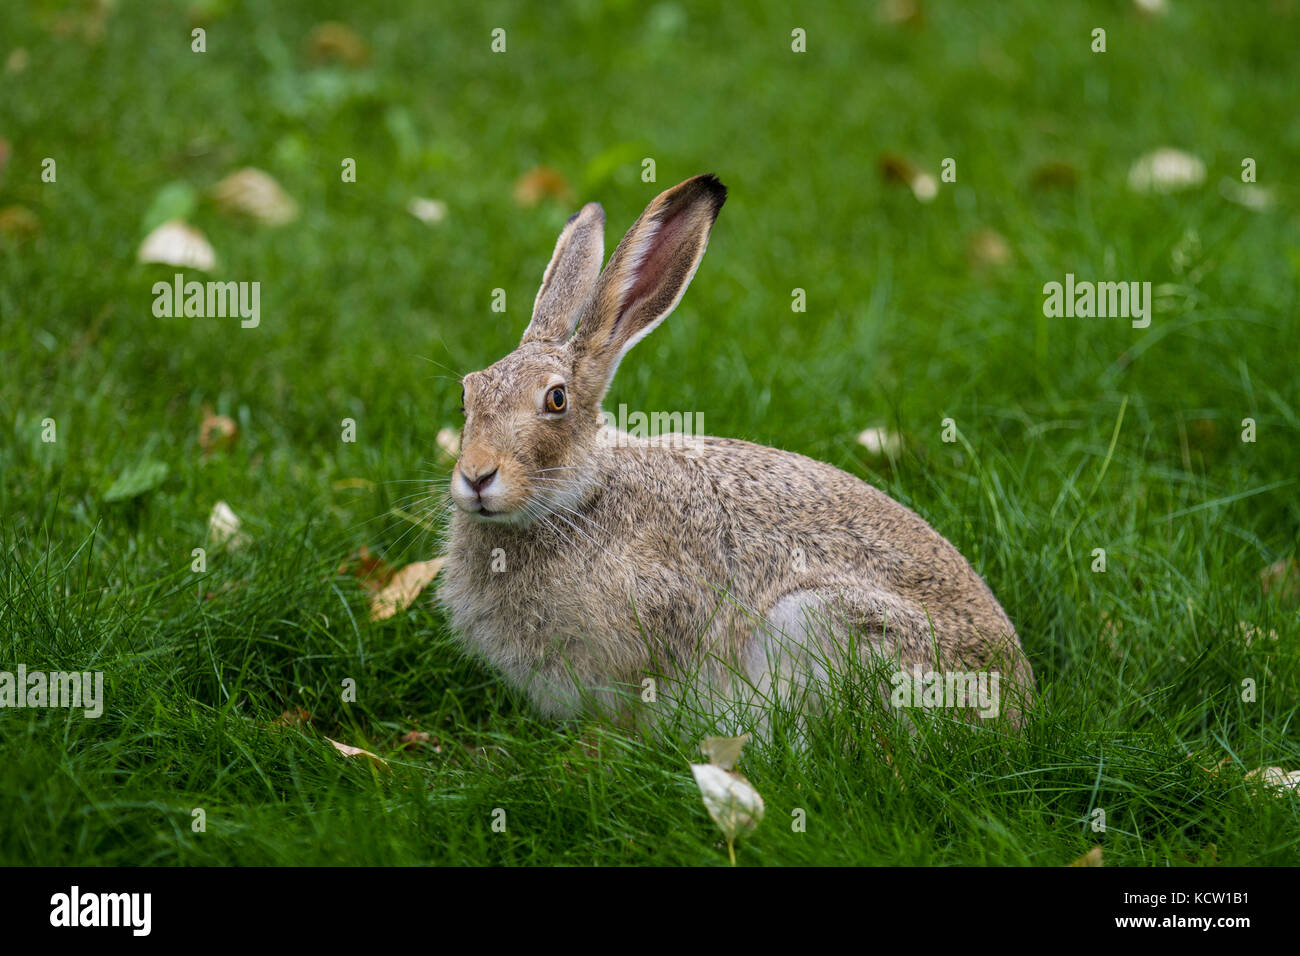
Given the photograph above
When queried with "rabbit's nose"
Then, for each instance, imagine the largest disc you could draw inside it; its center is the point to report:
(480, 482)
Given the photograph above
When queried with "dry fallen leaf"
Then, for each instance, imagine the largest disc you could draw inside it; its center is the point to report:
(1091, 858)
(17, 60)
(1276, 778)
(18, 222)
(1112, 629)
(987, 249)
(428, 211)
(224, 528)
(900, 12)
(348, 750)
(880, 441)
(1054, 174)
(732, 802)
(405, 586)
(899, 169)
(539, 183)
(337, 42)
(723, 751)
(1152, 8)
(226, 588)
(373, 572)
(296, 717)
(1166, 170)
(1250, 195)
(255, 194)
(449, 441)
(88, 20)
(216, 432)
(1283, 579)
(415, 739)
(1250, 633)
(177, 243)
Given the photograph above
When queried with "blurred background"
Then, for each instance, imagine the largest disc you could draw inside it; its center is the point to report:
(915, 310)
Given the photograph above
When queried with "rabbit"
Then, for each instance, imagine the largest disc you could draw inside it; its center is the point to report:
(594, 569)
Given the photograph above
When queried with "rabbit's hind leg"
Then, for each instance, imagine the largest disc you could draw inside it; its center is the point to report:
(811, 635)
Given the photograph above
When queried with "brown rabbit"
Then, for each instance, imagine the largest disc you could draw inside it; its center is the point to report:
(586, 563)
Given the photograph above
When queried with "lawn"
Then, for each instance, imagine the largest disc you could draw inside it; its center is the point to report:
(1163, 680)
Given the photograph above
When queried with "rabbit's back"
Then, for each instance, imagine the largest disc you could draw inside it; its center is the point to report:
(780, 522)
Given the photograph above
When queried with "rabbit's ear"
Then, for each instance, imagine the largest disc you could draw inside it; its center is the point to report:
(645, 278)
(570, 277)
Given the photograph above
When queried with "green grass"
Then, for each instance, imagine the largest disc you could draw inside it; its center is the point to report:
(1076, 433)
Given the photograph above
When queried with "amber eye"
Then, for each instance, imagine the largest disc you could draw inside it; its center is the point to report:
(555, 399)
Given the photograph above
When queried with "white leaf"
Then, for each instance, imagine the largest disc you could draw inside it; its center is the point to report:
(428, 211)
(1276, 777)
(1250, 633)
(1152, 8)
(880, 441)
(731, 800)
(1165, 171)
(924, 187)
(177, 243)
(1251, 195)
(449, 441)
(223, 527)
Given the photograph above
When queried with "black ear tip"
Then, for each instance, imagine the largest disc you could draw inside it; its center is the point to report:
(713, 186)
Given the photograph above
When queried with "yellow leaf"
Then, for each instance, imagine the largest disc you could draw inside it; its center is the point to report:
(337, 41)
(255, 194)
(723, 751)
(348, 750)
(216, 432)
(537, 184)
(404, 588)
(1091, 858)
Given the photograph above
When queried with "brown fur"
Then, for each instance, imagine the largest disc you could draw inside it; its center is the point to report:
(691, 557)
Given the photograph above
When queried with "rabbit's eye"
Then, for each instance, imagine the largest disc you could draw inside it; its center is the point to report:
(556, 400)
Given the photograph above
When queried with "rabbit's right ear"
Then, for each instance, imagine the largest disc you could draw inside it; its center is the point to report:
(570, 277)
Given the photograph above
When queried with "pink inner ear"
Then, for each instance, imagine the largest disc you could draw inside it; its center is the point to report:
(658, 263)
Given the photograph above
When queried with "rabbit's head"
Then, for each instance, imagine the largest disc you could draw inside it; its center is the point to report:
(532, 419)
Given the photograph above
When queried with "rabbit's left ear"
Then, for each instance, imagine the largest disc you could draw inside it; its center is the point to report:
(570, 277)
(645, 279)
